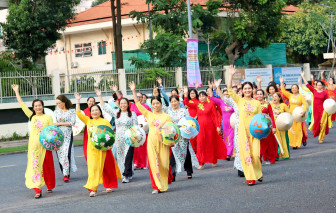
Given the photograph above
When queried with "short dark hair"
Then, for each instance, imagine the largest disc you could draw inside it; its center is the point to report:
(156, 98)
(101, 112)
(90, 98)
(65, 100)
(271, 85)
(174, 97)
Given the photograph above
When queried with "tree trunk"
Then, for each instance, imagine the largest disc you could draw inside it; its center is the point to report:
(117, 36)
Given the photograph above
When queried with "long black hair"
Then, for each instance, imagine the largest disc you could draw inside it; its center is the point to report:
(129, 113)
(65, 100)
(34, 113)
(190, 90)
(203, 93)
(101, 112)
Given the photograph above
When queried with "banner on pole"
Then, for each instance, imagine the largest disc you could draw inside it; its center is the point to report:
(193, 70)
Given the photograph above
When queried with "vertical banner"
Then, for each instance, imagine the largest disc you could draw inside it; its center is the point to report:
(193, 70)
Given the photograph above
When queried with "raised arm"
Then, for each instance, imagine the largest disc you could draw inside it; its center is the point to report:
(259, 79)
(232, 71)
(80, 115)
(25, 109)
(303, 78)
(163, 93)
(15, 87)
(100, 97)
(116, 90)
(186, 99)
(283, 90)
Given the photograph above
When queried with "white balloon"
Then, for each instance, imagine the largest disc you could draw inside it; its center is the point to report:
(284, 121)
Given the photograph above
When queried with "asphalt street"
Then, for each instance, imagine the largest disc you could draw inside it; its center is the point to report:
(305, 183)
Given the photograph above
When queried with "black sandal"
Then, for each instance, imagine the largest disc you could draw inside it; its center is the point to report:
(38, 196)
(261, 179)
(49, 191)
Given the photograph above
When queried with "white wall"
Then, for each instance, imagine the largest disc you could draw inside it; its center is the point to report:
(7, 130)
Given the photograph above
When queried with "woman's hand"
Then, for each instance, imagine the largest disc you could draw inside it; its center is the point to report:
(274, 130)
(114, 88)
(217, 83)
(185, 91)
(232, 70)
(311, 76)
(259, 79)
(210, 85)
(56, 149)
(98, 92)
(15, 87)
(77, 96)
(132, 86)
(281, 80)
(303, 113)
(108, 148)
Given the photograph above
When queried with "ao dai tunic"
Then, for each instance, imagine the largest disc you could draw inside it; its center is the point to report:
(281, 135)
(210, 146)
(249, 147)
(36, 152)
(158, 153)
(228, 132)
(96, 158)
(320, 120)
(295, 133)
(66, 155)
(180, 148)
(237, 162)
(122, 124)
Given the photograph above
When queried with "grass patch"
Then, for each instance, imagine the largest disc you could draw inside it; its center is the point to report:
(13, 149)
(25, 148)
(14, 137)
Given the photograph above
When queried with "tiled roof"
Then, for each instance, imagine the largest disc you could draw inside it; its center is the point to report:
(102, 12)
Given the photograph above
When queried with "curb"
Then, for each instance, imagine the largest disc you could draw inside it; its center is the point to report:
(19, 152)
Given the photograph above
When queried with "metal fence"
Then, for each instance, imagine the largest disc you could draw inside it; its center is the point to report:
(32, 84)
(328, 72)
(207, 74)
(85, 82)
(145, 79)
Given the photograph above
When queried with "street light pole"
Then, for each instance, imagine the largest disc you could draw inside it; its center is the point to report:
(189, 20)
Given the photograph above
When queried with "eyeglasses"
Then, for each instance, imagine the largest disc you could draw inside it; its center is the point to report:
(139, 96)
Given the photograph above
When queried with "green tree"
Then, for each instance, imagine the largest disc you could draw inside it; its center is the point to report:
(33, 26)
(304, 31)
(97, 2)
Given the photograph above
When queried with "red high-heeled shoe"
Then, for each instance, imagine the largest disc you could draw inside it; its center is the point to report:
(250, 182)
